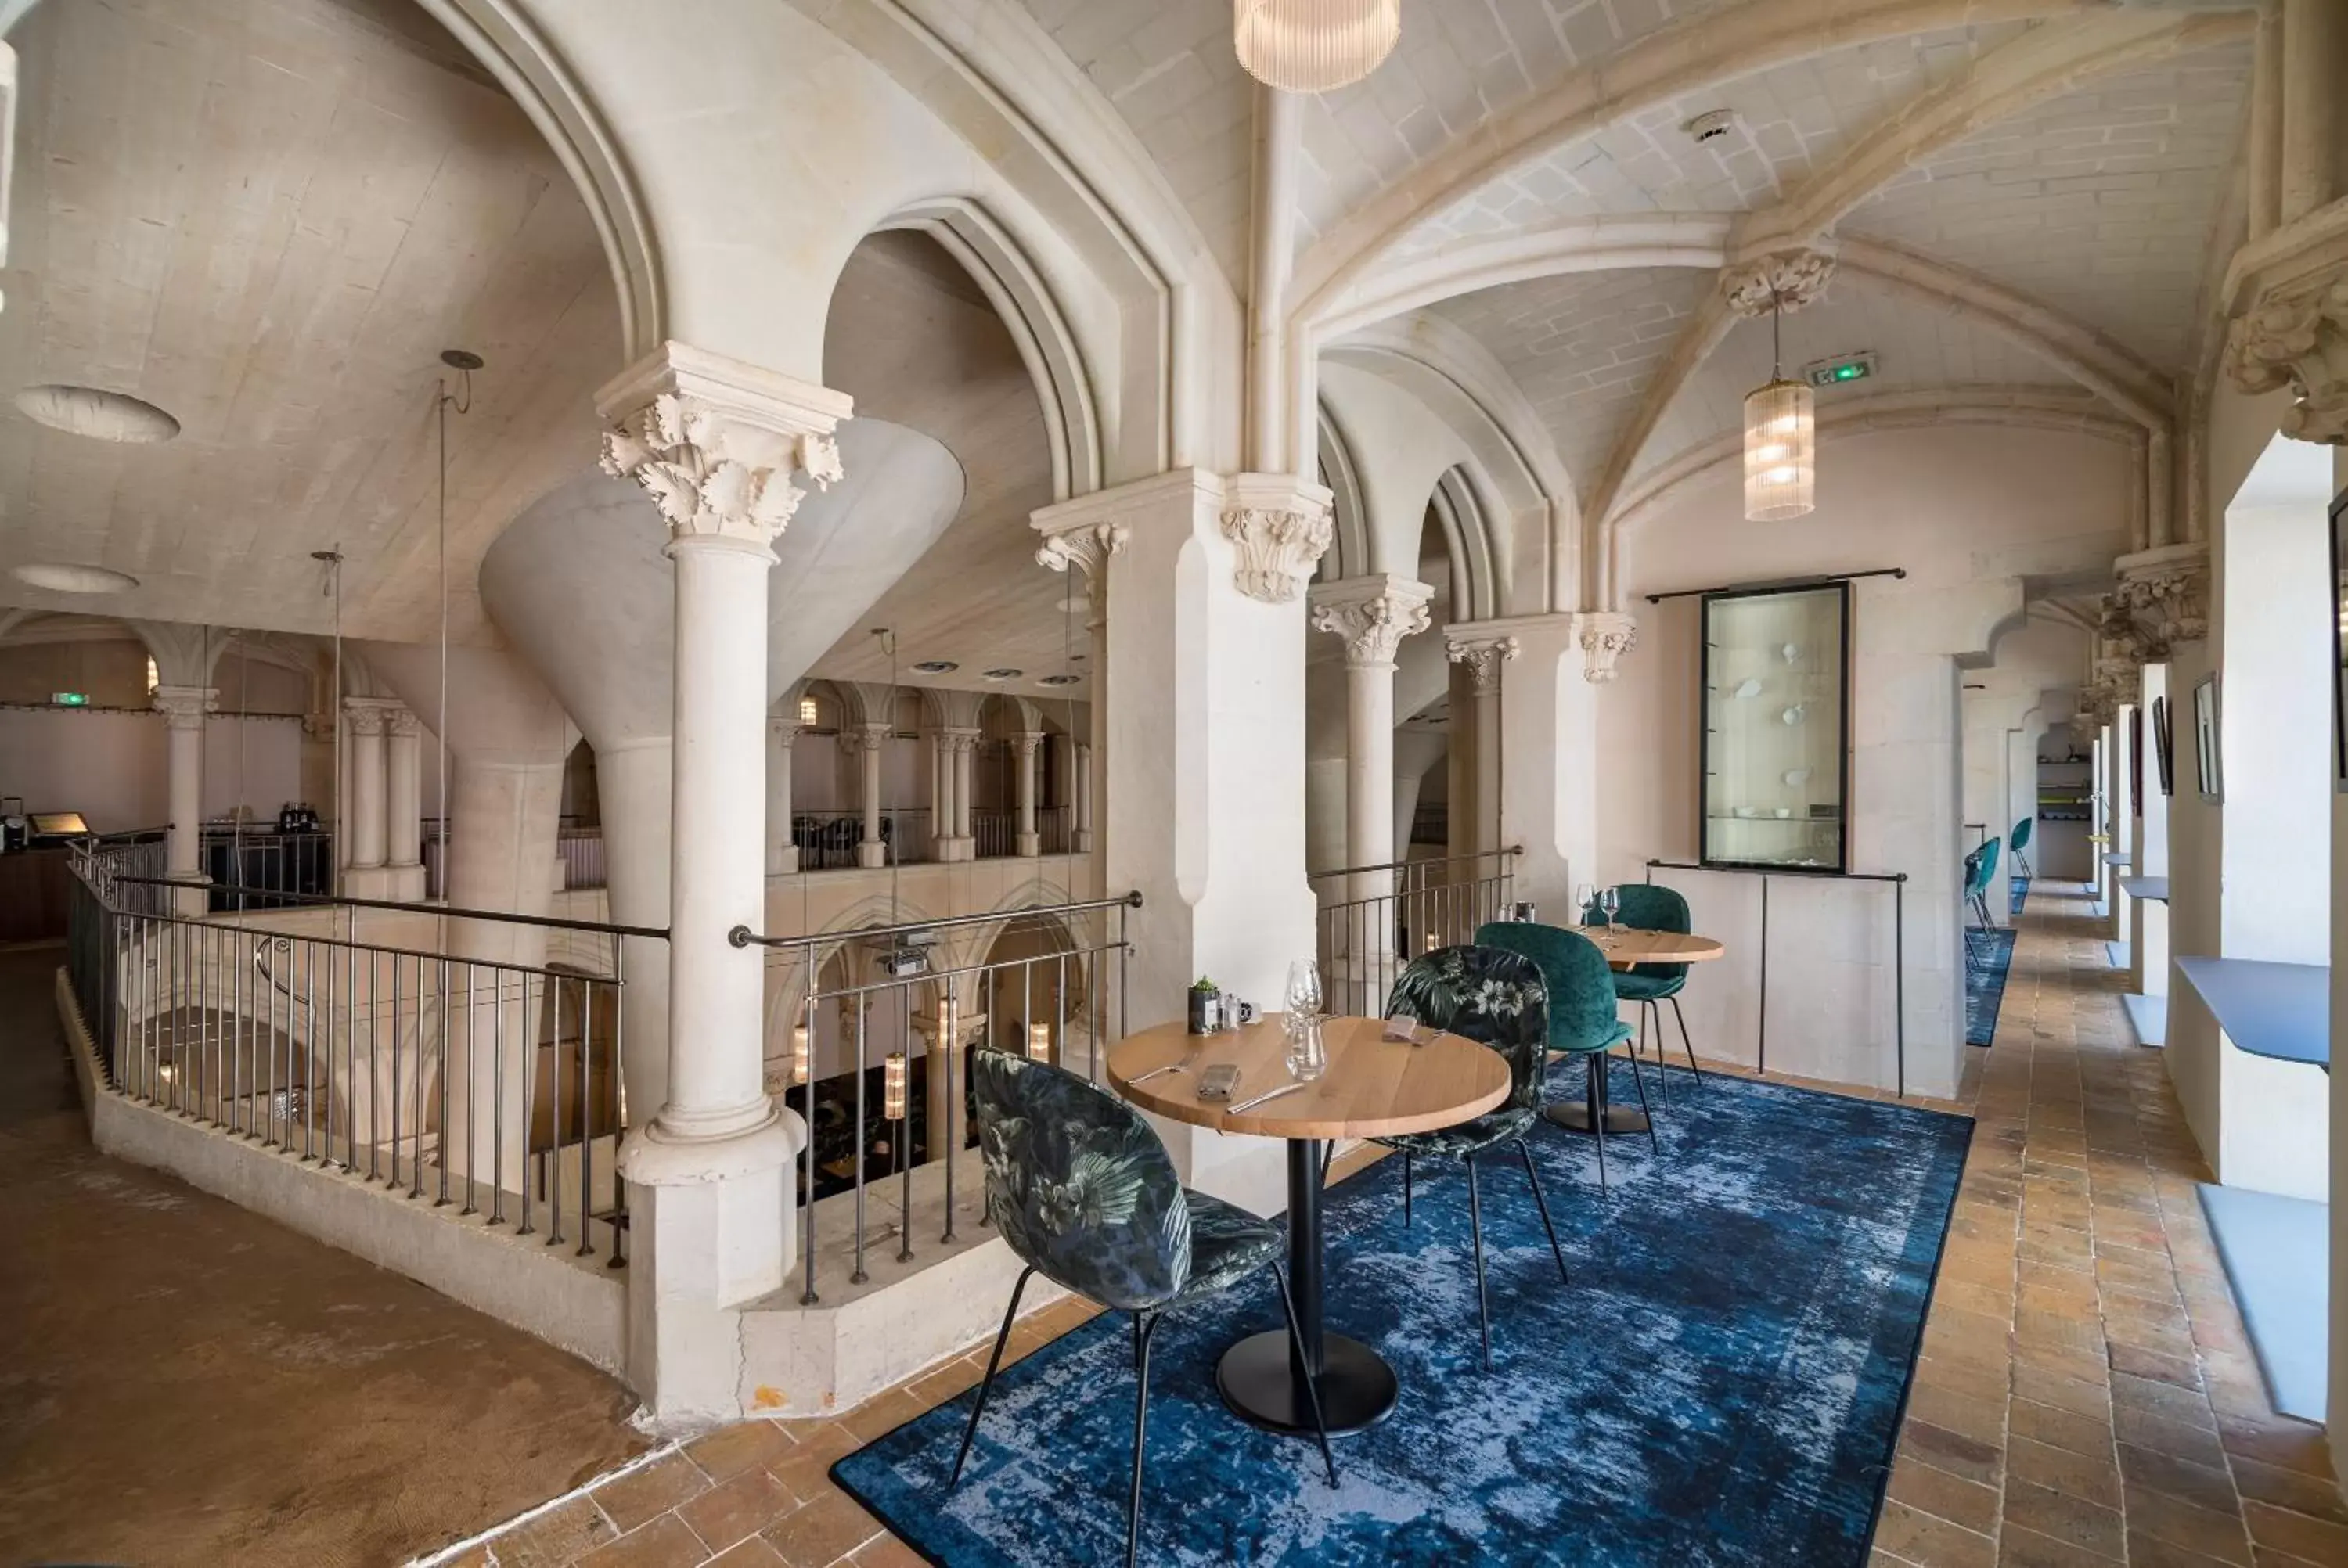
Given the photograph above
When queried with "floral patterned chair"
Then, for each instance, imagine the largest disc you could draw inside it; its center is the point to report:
(1086, 1195)
(1498, 999)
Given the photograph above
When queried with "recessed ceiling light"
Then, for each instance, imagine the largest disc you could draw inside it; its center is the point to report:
(99, 414)
(1059, 681)
(937, 666)
(60, 577)
(1004, 674)
(1711, 124)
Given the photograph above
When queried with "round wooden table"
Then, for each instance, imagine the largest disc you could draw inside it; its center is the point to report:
(1374, 1087)
(1624, 947)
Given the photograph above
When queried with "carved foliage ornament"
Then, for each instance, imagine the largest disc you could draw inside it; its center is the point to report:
(2297, 337)
(713, 474)
(1484, 657)
(1373, 625)
(1085, 547)
(1783, 280)
(1606, 636)
(2167, 605)
(1278, 547)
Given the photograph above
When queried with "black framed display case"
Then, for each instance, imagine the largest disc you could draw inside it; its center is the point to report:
(1776, 752)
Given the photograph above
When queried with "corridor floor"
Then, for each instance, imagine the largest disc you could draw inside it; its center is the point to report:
(2085, 1397)
(183, 1382)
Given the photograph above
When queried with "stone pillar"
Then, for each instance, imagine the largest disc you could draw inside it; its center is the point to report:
(1370, 615)
(1025, 746)
(318, 772)
(1202, 811)
(715, 443)
(1080, 838)
(403, 858)
(941, 783)
(864, 742)
(782, 853)
(363, 871)
(184, 709)
(2314, 57)
(1481, 653)
(964, 767)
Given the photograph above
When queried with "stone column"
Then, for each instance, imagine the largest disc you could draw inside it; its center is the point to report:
(1372, 615)
(1482, 653)
(715, 443)
(941, 783)
(364, 876)
(1081, 813)
(184, 709)
(963, 767)
(782, 853)
(864, 742)
(1202, 809)
(318, 754)
(1025, 746)
(1087, 548)
(403, 858)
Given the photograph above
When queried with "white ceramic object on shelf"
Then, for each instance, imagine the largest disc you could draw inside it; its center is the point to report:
(1745, 811)
(1789, 652)
(1796, 777)
(1784, 812)
(1792, 715)
(1749, 687)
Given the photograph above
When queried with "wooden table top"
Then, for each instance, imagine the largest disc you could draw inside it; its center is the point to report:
(1624, 945)
(1374, 1087)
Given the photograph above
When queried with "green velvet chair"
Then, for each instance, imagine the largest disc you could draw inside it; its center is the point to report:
(1583, 1020)
(1981, 871)
(1498, 999)
(2021, 842)
(1086, 1195)
(1648, 907)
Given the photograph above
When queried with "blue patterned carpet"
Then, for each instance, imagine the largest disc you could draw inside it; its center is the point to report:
(2021, 892)
(1720, 1385)
(1988, 956)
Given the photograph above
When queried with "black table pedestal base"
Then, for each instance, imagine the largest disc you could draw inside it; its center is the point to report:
(1574, 1115)
(1257, 1378)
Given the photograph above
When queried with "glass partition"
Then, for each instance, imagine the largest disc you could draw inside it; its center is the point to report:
(1777, 732)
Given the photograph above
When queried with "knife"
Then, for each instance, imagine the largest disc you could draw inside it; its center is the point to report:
(1267, 1094)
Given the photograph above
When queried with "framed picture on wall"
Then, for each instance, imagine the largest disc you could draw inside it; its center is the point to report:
(2340, 642)
(2205, 737)
(2135, 761)
(2164, 746)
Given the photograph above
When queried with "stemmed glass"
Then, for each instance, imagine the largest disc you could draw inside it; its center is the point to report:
(1302, 997)
(1585, 899)
(1307, 1053)
(1610, 901)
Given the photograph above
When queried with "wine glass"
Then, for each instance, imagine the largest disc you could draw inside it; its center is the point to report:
(1610, 901)
(1585, 899)
(1302, 997)
(1307, 1053)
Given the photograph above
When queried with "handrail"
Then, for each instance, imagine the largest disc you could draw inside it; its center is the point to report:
(1751, 870)
(1422, 860)
(503, 917)
(263, 936)
(743, 937)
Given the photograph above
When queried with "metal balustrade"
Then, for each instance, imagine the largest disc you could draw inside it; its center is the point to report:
(496, 1086)
(249, 869)
(904, 1039)
(829, 840)
(1374, 919)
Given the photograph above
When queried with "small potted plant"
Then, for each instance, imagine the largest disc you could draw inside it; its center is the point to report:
(1206, 1007)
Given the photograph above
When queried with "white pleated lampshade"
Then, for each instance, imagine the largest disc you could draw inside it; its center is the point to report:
(1780, 452)
(892, 1086)
(1314, 45)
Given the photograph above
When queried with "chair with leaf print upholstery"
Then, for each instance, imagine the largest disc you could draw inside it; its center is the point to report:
(1498, 999)
(1084, 1193)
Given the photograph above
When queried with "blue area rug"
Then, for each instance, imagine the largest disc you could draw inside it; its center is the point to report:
(1988, 956)
(2020, 894)
(1720, 1385)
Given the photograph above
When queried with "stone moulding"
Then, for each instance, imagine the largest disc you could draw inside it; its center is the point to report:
(1606, 635)
(2286, 299)
(1370, 614)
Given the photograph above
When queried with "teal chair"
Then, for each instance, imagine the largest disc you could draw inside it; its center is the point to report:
(1647, 908)
(2021, 842)
(1980, 871)
(1583, 1020)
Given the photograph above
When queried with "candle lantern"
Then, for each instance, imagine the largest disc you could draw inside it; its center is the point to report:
(892, 1086)
(1039, 1042)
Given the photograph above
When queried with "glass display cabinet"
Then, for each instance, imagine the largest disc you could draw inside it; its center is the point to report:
(1776, 726)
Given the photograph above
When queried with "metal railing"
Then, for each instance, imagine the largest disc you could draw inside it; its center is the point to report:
(904, 1040)
(581, 851)
(1374, 919)
(829, 840)
(494, 1085)
(997, 833)
(249, 870)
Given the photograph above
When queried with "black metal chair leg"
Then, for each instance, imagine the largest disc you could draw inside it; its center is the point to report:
(1542, 1204)
(1140, 1433)
(987, 1382)
(1686, 1044)
(1312, 1390)
(1655, 1017)
(1405, 1189)
(1639, 1080)
(1476, 1229)
(1598, 1112)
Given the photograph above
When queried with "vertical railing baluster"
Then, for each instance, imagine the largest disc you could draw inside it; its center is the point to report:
(529, 1093)
(586, 1116)
(440, 1012)
(553, 1116)
(619, 1083)
(858, 1277)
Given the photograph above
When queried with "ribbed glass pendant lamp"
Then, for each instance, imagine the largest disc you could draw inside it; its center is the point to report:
(1314, 45)
(1781, 437)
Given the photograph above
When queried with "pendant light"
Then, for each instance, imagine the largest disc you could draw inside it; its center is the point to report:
(1314, 45)
(1780, 438)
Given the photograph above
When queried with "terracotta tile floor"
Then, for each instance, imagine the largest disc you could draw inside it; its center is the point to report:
(2085, 1397)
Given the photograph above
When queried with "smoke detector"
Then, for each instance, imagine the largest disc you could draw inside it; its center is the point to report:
(1711, 124)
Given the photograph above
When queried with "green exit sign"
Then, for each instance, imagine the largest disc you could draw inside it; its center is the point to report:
(71, 698)
(1838, 372)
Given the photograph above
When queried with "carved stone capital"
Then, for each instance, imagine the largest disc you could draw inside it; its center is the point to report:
(857, 739)
(401, 722)
(1083, 546)
(2164, 596)
(184, 707)
(785, 728)
(1782, 280)
(1605, 635)
(960, 742)
(1281, 528)
(2296, 335)
(1025, 744)
(1373, 614)
(1481, 652)
(318, 726)
(714, 442)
